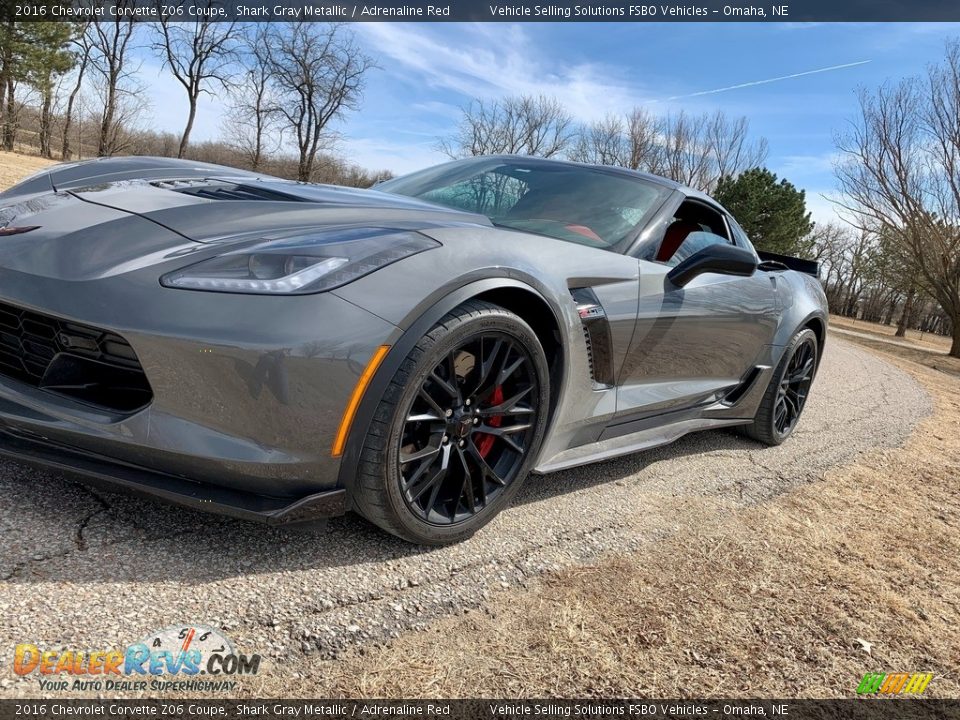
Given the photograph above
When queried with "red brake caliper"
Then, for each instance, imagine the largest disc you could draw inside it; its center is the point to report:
(485, 442)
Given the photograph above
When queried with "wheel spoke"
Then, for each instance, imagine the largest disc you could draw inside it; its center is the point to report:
(507, 370)
(434, 481)
(418, 455)
(467, 487)
(424, 417)
(485, 466)
(803, 374)
(466, 467)
(452, 370)
(425, 396)
(452, 391)
(780, 414)
(500, 431)
(509, 407)
(408, 483)
(486, 364)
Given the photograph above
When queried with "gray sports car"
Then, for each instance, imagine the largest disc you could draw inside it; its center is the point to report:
(287, 352)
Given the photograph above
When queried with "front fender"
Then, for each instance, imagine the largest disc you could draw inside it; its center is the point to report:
(412, 328)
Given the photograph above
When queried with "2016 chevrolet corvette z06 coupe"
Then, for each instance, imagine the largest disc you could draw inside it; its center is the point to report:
(287, 352)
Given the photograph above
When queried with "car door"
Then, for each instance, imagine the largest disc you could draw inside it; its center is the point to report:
(693, 344)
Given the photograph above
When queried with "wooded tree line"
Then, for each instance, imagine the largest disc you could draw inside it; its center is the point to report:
(284, 84)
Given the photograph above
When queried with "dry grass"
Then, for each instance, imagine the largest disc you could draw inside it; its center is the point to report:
(772, 600)
(15, 167)
(930, 350)
(915, 337)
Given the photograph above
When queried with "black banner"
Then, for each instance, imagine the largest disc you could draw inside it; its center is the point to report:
(853, 709)
(484, 10)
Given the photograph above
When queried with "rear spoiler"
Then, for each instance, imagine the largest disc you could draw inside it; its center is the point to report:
(810, 267)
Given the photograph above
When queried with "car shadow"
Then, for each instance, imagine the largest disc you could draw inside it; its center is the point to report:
(126, 538)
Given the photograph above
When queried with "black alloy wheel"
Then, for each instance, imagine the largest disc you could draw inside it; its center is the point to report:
(468, 429)
(457, 429)
(795, 386)
(786, 394)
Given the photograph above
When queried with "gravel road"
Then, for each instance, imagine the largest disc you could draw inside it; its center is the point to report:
(88, 569)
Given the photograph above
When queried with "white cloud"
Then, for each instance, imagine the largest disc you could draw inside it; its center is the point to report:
(793, 166)
(493, 60)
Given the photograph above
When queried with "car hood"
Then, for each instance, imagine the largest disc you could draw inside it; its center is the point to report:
(218, 208)
(85, 225)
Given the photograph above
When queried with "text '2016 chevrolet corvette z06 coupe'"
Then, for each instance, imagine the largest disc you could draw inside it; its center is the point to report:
(286, 352)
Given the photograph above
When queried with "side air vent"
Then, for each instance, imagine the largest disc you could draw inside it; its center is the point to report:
(737, 393)
(216, 190)
(596, 334)
(589, 341)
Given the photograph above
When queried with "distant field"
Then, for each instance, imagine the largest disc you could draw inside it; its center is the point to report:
(937, 342)
(14, 167)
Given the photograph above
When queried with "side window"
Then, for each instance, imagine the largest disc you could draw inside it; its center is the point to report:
(695, 226)
(740, 236)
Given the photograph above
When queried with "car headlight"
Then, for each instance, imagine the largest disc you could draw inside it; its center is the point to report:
(301, 263)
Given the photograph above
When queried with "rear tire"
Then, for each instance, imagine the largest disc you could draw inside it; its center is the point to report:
(457, 429)
(786, 395)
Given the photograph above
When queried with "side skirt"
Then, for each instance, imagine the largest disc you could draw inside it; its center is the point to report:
(634, 442)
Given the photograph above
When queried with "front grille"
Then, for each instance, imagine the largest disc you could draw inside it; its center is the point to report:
(86, 364)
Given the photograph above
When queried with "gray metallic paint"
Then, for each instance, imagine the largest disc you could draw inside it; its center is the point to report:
(249, 390)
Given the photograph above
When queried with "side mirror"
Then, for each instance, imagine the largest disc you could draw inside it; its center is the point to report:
(718, 258)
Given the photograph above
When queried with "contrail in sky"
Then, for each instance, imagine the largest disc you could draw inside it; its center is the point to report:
(769, 80)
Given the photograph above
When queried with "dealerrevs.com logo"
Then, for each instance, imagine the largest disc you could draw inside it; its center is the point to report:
(189, 657)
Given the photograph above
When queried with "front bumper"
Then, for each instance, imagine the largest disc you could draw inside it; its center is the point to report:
(248, 393)
(116, 475)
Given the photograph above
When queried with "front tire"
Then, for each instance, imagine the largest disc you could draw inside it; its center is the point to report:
(458, 427)
(786, 395)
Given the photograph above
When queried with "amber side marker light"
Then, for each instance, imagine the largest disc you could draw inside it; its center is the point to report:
(340, 442)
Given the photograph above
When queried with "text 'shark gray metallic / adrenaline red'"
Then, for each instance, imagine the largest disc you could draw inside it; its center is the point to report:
(287, 352)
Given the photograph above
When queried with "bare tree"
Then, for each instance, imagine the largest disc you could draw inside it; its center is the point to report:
(731, 147)
(604, 142)
(83, 46)
(318, 73)
(198, 54)
(251, 123)
(126, 107)
(10, 51)
(696, 150)
(900, 174)
(111, 42)
(524, 125)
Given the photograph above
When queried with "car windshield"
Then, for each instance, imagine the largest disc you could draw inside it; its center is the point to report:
(580, 204)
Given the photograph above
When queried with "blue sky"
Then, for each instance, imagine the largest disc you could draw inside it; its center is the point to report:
(429, 70)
